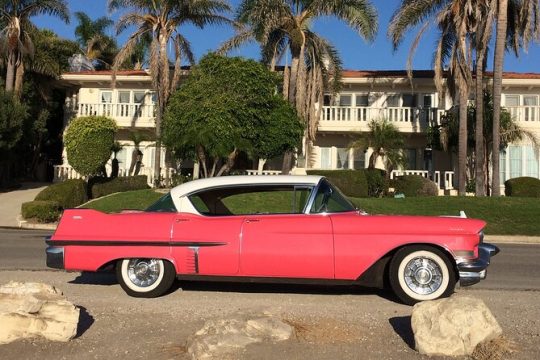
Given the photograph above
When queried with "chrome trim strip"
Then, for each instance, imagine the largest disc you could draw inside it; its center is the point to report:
(132, 243)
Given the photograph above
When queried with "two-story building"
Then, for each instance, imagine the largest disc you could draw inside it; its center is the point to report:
(411, 104)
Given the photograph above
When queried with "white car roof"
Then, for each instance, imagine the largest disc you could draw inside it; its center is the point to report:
(200, 184)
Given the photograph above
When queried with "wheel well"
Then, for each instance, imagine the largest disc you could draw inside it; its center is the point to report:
(377, 274)
(111, 265)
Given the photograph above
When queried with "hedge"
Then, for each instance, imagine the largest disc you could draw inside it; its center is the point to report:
(105, 186)
(42, 211)
(414, 185)
(352, 182)
(68, 194)
(377, 182)
(522, 186)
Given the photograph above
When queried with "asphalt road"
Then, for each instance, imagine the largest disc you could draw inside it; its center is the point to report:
(516, 267)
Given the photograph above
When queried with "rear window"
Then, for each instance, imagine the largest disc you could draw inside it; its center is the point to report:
(164, 204)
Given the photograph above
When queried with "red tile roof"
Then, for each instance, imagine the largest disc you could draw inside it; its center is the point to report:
(109, 72)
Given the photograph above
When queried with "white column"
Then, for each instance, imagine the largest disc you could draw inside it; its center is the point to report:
(333, 157)
(351, 158)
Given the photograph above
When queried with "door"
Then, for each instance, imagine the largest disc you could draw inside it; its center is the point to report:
(292, 246)
(204, 245)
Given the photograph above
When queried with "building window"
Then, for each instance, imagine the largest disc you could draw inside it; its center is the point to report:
(359, 161)
(411, 159)
(511, 100)
(106, 97)
(327, 100)
(139, 97)
(343, 158)
(326, 158)
(427, 101)
(502, 166)
(393, 100)
(515, 161)
(124, 97)
(530, 102)
(409, 100)
(362, 100)
(345, 100)
(531, 162)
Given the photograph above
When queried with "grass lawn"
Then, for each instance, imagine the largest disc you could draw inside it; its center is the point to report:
(133, 200)
(505, 215)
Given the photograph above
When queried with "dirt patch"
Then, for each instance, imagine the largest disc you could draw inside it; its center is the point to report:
(496, 349)
(324, 330)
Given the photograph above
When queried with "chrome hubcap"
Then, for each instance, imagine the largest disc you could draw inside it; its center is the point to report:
(423, 276)
(143, 272)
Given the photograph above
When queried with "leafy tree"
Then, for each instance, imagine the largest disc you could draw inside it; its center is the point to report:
(163, 20)
(281, 26)
(387, 143)
(88, 141)
(15, 38)
(12, 117)
(229, 105)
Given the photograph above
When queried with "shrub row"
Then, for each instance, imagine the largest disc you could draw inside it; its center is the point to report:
(103, 186)
(414, 185)
(352, 182)
(49, 203)
(522, 186)
(42, 211)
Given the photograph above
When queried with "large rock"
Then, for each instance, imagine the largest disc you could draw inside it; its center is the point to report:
(34, 309)
(222, 339)
(453, 326)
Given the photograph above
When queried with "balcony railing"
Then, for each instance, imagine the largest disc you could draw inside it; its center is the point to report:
(527, 116)
(407, 119)
(125, 114)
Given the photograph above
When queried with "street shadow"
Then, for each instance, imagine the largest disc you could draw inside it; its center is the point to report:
(85, 321)
(402, 326)
(100, 278)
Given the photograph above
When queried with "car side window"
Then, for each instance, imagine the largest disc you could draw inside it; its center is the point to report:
(249, 200)
(330, 200)
(164, 204)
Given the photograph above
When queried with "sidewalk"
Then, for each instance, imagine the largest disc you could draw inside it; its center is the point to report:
(10, 202)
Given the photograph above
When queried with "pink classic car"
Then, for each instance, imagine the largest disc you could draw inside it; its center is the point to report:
(271, 228)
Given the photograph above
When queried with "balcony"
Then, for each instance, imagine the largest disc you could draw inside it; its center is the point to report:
(527, 117)
(125, 114)
(356, 119)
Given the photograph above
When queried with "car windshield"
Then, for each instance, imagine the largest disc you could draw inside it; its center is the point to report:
(164, 204)
(329, 199)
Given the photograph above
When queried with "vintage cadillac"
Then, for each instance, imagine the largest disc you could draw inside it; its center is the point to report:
(271, 228)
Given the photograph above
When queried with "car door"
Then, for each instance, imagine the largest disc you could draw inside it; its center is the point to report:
(205, 245)
(288, 245)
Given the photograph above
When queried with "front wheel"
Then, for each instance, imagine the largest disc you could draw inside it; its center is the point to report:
(419, 273)
(146, 278)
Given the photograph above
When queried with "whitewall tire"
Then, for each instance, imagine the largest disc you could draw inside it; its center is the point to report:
(420, 273)
(147, 278)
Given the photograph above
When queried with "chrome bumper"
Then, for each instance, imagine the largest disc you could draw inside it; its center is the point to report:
(471, 272)
(55, 257)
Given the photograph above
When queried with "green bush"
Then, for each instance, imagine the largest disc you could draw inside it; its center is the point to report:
(88, 141)
(351, 182)
(414, 185)
(68, 194)
(104, 186)
(42, 211)
(377, 182)
(522, 186)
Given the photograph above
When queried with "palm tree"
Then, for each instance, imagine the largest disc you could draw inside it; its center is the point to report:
(527, 25)
(91, 36)
(15, 40)
(387, 143)
(284, 27)
(163, 20)
(456, 24)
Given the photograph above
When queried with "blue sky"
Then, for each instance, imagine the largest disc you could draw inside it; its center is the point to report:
(355, 52)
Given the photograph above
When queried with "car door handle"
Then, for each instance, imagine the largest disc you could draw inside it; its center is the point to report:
(252, 220)
(181, 220)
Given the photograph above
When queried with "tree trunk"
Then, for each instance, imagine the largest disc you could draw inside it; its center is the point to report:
(19, 79)
(162, 100)
(500, 43)
(229, 163)
(10, 72)
(479, 131)
(462, 142)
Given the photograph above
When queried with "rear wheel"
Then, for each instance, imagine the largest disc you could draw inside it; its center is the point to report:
(146, 278)
(419, 273)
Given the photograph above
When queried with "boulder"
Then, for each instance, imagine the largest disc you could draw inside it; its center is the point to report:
(223, 338)
(33, 310)
(452, 326)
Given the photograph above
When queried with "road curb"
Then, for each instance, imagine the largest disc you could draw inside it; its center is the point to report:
(512, 239)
